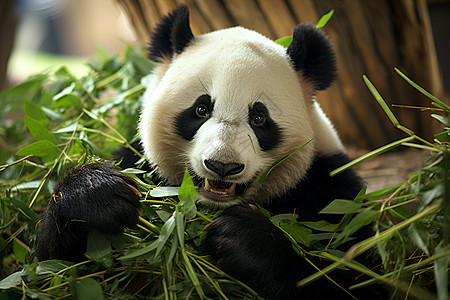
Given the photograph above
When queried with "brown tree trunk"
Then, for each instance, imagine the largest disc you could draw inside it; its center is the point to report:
(371, 37)
(8, 24)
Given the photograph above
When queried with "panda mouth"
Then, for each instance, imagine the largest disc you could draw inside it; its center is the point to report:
(219, 188)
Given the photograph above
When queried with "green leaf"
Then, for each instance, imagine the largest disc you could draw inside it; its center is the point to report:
(39, 148)
(91, 114)
(34, 111)
(441, 271)
(12, 280)
(19, 252)
(187, 195)
(180, 224)
(68, 101)
(264, 176)
(423, 91)
(71, 128)
(166, 232)
(418, 234)
(360, 220)
(152, 246)
(382, 192)
(51, 266)
(165, 191)
(340, 206)
(443, 136)
(380, 101)
(278, 218)
(442, 119)
(39, 131)
(284, 41)
(27, 185)
(66, 91)
(321, 225)
(299, 232)
(140, 63)
(87, 289)
(24, 209)
(98, 245)
(324, 19)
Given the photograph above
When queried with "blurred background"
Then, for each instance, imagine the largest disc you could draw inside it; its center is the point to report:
(371, 37)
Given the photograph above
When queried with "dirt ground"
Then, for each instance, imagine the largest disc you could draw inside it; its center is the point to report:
(389, 168)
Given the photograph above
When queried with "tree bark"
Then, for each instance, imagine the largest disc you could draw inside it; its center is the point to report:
(371, 37)
(8, 24)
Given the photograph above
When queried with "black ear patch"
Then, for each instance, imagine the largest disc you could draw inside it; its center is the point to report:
(312, 53)
(171, 35)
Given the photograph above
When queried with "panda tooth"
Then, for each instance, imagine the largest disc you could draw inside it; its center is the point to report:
(231, 189)
(207, 185)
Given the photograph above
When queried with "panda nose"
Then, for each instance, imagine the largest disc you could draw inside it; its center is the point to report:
(222, 169)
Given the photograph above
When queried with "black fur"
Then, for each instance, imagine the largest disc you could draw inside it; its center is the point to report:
(269, 133)
(171, 35)
(96, 196)
(188, 122)
(318, 188)
(247, 246)
(312, 53)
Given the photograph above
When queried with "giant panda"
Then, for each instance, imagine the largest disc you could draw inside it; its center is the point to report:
(225, 105)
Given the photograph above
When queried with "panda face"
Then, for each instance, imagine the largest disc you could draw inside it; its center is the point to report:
(227, 108)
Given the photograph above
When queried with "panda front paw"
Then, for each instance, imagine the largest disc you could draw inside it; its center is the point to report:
(247, 246)
(93, 196)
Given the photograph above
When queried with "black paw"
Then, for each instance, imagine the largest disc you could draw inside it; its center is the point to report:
(247, 246)
(95, 196)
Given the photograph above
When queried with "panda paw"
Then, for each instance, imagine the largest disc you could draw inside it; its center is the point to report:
(247, 246)
(94, 196)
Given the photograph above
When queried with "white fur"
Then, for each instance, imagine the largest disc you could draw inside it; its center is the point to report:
(237, 68)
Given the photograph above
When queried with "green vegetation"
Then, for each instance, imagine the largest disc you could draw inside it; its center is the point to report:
(54, 121)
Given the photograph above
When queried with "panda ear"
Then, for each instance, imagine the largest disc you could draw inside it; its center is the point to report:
(171, 35)
(312, 54)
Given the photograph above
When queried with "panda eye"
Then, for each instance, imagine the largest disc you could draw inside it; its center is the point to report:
(259, 120)
(202, 111)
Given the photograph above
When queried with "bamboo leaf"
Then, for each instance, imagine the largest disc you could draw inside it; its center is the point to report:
(98, 245)
(166, 232)
(372, 153)
(264, 176)
(441, 271)
(87, 289)
(339, 206)
(165, 191)
(422, 90)
(284, 41)
(12, 280)
(147, 249)
(380, 101)
(39, 148)
(39, 131)
(324, 19)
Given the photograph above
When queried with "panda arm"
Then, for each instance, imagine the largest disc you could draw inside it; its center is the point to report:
(94, 196)
(247, 246)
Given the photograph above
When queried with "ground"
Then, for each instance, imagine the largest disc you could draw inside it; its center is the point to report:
(389, 168)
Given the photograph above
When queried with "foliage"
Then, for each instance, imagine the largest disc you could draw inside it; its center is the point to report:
(54, 121)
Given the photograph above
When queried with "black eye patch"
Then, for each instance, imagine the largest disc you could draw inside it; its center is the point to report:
(267, 132)
(189, 121)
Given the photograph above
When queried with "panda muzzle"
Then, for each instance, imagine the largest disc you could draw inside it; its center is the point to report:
(220, 187)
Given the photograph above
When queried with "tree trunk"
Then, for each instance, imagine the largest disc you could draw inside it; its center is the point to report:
(371, 37)
(8, 24)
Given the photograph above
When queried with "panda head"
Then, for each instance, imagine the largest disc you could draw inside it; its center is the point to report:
(229, 104)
